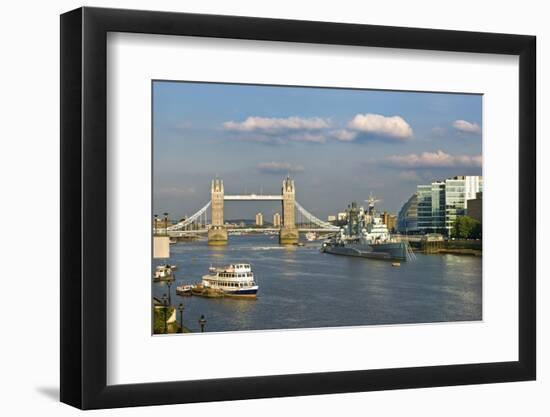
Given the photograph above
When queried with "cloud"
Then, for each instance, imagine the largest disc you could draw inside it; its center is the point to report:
(283, 139)
(466, 127)
(278, 167)
(272, 124)
(307, 137)
(343, 135)
(393, 127)
(437, 159)
(278, 131)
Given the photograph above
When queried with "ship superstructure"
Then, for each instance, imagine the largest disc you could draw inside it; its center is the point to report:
(365, 235)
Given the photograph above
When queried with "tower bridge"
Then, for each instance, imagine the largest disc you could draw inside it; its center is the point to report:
(218, 230)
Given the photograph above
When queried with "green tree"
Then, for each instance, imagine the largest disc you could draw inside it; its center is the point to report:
(161, 314)
(466, 228)
(477, 231)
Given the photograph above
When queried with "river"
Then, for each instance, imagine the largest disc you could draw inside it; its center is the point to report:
(303, 288)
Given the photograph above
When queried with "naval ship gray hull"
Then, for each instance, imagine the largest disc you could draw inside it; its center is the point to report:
(385, 251)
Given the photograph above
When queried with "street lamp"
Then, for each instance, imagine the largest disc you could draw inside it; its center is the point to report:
(202, 322)
(164, 303)
(165, 223)
(169, 283)
(155, 231)
(181, 308)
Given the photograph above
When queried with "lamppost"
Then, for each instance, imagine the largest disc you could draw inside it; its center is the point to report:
(155, 230)
(169, 283)
(202, 322)
(181, 308)
(165, 223)
(165, 302)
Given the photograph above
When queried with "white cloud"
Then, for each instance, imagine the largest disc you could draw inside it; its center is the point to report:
(272, 124)
(466, 127)
(437, 159)
(278, 167)
(344, 135)
(394, 127)
(306, 137)
(316, 129)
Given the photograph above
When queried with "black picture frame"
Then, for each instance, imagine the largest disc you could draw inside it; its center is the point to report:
(84, 207)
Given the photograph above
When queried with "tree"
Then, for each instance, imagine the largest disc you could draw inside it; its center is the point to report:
(160, 315)
(466, 227)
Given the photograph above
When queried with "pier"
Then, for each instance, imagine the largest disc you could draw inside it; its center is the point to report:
(437, 244)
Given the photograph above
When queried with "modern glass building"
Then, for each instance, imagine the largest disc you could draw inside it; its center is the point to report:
(438, 207)
(424, 198)
(454, 201)
(441, 202)
(458, 191)
(407, 219)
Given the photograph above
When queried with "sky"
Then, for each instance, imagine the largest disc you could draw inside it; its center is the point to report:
(339, 145)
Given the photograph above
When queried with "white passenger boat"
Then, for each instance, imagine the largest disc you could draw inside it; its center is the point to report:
(164, 272)
(235, 280)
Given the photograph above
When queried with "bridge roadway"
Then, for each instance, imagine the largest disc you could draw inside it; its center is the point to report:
(177, 233)
(253, 197)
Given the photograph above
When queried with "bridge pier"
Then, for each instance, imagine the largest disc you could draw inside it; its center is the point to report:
(289, 233)
(217, 234)
(289, 236)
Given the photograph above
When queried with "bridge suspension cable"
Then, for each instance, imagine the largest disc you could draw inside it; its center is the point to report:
(310, 217)
(183, 224)
(196, 217)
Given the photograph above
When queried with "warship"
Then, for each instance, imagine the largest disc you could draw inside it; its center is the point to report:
(365, 235)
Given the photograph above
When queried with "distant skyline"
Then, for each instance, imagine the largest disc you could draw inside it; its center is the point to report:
(339, 145)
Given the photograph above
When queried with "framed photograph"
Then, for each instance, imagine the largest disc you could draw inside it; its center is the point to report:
(257, 208)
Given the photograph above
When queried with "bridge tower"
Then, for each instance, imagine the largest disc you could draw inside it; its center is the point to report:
(289, 233)
(217, 234)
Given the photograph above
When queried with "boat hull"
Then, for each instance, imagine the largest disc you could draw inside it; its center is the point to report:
(209, 292)
(248, 293)
(384, 251)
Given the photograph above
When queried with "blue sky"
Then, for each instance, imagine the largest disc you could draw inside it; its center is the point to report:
(338, 144)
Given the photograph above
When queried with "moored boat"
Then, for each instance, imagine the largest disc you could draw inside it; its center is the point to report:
(185, 289)
(164, 272)
(235, 280)
(365, 235)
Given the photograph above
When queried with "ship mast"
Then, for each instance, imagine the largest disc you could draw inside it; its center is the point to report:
(371, 200)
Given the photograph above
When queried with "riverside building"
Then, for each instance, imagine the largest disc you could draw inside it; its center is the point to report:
(407, 219)
(439, 204)
(276, 220)
(259, 219)
(475, 207)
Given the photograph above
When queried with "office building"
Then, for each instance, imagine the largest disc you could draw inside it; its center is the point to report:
(475, 207)
(441, 202)
(407, 219)
(276, 220)
(259, 219)
(389, 220)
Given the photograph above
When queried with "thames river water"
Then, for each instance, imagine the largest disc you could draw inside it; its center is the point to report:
(303, 288)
